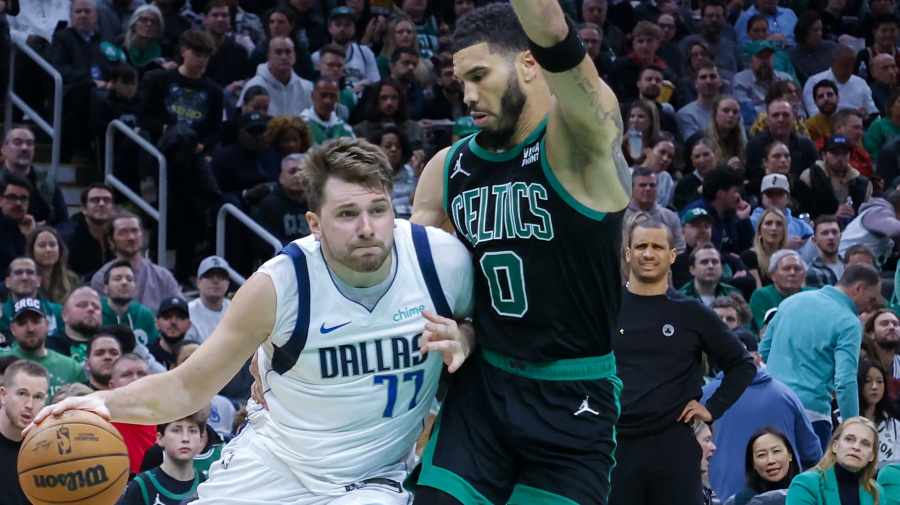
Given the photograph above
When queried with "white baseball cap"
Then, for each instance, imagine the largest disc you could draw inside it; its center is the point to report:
(775, 181)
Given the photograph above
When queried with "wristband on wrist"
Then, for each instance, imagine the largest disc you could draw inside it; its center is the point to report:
(565, 55)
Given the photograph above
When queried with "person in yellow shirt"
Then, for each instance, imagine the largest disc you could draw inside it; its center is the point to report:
(825, 93)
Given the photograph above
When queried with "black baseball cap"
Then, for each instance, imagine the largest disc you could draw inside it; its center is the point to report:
(173, 303)
(837, 142)
(254, 120)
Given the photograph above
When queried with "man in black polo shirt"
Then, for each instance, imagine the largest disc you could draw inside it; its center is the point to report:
(658, 357)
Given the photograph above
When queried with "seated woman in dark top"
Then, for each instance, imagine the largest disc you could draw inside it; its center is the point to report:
(769, 464)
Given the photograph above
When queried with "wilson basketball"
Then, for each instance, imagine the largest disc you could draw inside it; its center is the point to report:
(77, 458)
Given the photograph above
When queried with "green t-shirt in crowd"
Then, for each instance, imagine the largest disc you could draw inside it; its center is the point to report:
(63, 369)
(137, 317)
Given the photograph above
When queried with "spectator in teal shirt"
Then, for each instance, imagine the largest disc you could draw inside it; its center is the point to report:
(812, 344)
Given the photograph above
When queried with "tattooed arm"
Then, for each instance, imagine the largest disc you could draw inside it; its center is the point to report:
(584, 132)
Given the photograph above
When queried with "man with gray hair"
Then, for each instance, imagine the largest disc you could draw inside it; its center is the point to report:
(600, 53)
(788, 271)
(596, 12)
(283, 211)
(643, 199)
(853, 90)
(812, 344)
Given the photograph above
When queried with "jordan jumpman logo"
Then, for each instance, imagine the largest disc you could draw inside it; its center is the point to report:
(458, 168)
(585, 408)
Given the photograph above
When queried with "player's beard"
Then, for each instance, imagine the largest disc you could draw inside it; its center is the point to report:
(511, 106)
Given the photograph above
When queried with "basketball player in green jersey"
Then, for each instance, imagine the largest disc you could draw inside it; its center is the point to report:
(536, 196)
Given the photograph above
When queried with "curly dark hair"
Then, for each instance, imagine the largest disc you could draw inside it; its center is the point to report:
(405, 146)
(370, 108)
(279, 125)
(719, 179)
(495, 24)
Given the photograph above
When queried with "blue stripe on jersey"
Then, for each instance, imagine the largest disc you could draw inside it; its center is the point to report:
(285, 357)
(429, 272)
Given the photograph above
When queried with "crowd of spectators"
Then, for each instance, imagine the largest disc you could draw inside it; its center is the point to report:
(764, 134)
(227, 91)
(779, 125)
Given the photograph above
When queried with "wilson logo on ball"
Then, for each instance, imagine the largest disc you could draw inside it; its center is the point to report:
(73, 480)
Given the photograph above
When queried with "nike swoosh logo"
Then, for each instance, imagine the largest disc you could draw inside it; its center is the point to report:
(325, 330)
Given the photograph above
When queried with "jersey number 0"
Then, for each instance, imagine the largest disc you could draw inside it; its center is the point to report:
(506, 280)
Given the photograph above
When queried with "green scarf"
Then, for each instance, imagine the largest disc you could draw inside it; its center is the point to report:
(140, 58)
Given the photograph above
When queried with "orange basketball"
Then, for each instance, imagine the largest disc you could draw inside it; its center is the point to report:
(76, 458)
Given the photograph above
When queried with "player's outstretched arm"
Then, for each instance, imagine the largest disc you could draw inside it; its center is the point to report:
(428, 203)
(584, 132)
(172, 395)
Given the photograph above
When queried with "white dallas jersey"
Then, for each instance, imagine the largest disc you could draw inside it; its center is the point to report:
(352, 403)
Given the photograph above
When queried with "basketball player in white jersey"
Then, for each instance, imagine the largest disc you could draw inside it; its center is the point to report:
(342, 323)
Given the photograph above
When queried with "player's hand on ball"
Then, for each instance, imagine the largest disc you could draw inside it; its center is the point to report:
(444, 335)
(91, 403)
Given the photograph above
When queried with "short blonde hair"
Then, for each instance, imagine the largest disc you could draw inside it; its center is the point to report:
(352, 160)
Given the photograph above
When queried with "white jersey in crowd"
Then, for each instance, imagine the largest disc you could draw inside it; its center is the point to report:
(360, 64)
(353, 402)
(888, 442)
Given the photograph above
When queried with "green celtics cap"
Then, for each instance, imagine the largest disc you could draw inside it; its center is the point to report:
(694, 213)
(341, 11)
(758, 46)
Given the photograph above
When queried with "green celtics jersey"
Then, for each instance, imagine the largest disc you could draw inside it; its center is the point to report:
(547, 281)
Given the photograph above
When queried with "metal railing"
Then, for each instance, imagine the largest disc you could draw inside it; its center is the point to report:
(12, 99)
(162, 185)
(243, 218)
